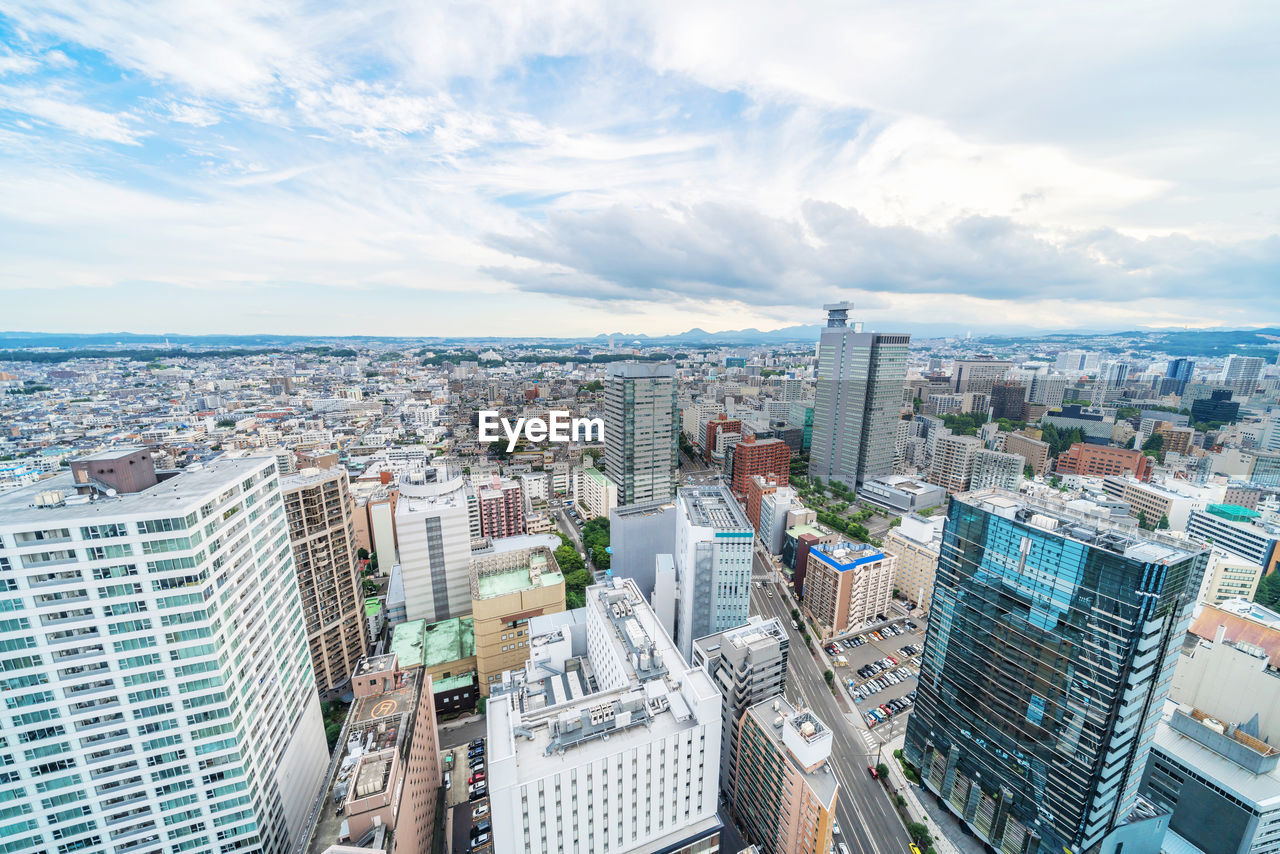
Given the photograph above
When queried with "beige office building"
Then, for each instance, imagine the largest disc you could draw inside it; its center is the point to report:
(507, 590)
(953, 460)
(916, 543)
(1229, 577)
(1033, 451)
(321, 514)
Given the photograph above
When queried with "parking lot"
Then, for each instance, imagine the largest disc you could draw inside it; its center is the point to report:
(882, 669)
(468, 800)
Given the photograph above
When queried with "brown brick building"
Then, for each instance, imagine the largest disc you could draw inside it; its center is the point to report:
(1103, 460)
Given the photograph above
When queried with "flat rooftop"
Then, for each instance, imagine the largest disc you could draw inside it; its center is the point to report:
(1055, 515)
(757, 630)
(511, 572)
(174, 496)
(713, 507)
(802, 721)
(845, 555)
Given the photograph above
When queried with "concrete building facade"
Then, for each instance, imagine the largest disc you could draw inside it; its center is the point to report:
(846, 585)
(641, 430)
(508, 590)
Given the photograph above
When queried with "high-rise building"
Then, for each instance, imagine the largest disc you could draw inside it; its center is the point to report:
(769, 458)
(1218, 406)
(641, 427)
(1241, 373)
(501, 505)
(509, 589)
(774, 507)
(1047, 390)
(433, 528)
(606, 737)
(916, 543)
(1007, 397)
(1034, 452)
(859, 396)
(714, 547)
(953, 460)
(846, 585)
(978, 376)
(749, 665)
(996, 469)
(1051, 645)
(1180, 371)
(638, 534)
(320, 509)
(786, 799)
(758, 488)
(1077, 362)
(800, 415)
(386, 783)
(720, 424)
(160, 692)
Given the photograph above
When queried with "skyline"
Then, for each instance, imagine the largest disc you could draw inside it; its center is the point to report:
(565, 169)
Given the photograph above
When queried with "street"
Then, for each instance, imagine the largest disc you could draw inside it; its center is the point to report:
(869, 822)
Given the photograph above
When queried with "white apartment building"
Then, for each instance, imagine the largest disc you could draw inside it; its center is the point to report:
(607, 740)
(594, 493)
(774, 508)
(433, 523)
(158, 689)
(996, 469)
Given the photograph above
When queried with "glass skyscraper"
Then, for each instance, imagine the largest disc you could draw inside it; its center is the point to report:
(858, 399)
(641, 430)
(1051, 645)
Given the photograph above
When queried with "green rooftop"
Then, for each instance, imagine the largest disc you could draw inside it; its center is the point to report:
(521, 578)
(1233, 512)
(797, 530)
(372, 607)
(453, 683)
(419, 644)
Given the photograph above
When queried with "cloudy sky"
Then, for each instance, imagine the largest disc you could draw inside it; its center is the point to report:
(572, 168)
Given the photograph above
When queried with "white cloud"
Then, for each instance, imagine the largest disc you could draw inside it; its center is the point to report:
(40, 103)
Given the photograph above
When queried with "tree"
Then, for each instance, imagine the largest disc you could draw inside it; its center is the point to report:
(1163, 524)
(1028, 471)
(883, 771)
(919, 833)
(1154, 447)
(1142, 520)
(226, 422)
(1268, 593)
(362, 553)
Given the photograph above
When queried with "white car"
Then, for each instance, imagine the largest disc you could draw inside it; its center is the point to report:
(480, 812)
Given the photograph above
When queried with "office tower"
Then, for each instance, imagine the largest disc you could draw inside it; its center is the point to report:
(638, 534)
(641, 424)
(916, 543)
(713, 556)
(1180, 371)
(507, 590)
(720, 424)
(786, 799)
(1051, 645)
(385, 785)
(1102, 460)
(433, 528)
(749, 665)
(846, 585)
(1230, 577)
(1234, 532)
(606, 739)
(146, 616)
(1007, 397)
(1109, 382)
(800, 414)
(1240, 373)
(1047, 390)
(501, 505)
(765, 457)
(996, 469)
(1217, 407)
(1220, 783)
(953, 460)
(1077, 362)
(320, 511)
(860, 380)
(1034, 452)
(977, 376)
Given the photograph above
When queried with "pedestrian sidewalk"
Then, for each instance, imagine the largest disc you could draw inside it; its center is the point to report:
(454, 724)
(899, 784)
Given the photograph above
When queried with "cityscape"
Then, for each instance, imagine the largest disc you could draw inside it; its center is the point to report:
(566, 427)
(862, 593)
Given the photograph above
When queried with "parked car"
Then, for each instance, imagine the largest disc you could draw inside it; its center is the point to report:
(480, 829)
(482, 839)
(475, 778)
(480, 812)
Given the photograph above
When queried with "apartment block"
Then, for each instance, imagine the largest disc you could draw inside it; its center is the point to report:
(953, 461)
(846, 585)
(916, 543)
(994, 469)
(595, 493)
(749, 665)
(1034, 452)
(320, 510)
(769, 458)
(606, 739)
(1230, 577)
(144, 609)
(786, 796)
(501, 507)
(720, 424)
(507, 591)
